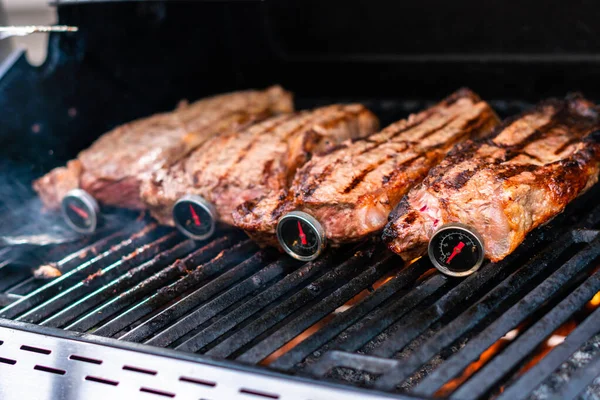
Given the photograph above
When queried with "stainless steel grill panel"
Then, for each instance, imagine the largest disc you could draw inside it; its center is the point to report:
(76, 369)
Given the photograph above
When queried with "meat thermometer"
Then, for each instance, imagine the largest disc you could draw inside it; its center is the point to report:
(301, 235)
(80, 211)
(456, 249)
(195, 217)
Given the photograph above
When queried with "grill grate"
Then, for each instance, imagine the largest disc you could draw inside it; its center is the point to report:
(357, 315)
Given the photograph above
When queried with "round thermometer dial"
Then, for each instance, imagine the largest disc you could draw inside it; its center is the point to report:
(80, 211)
(195, 217)
(301, 235)
(456, 250)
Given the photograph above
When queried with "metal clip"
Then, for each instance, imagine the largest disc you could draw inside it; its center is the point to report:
(9, 31)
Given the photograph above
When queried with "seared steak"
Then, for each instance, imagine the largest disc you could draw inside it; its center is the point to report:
(112, 168)
(352, 190)
(239, 166)
(505, 185)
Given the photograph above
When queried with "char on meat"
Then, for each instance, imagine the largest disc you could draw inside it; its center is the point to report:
(112, 168)
(506, 185)
(241, 166)
(352, 190)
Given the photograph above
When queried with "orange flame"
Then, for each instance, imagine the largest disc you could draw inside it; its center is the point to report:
(295, 341)
(314, 328)
(557, 337)
(594, 302)
(486, 356)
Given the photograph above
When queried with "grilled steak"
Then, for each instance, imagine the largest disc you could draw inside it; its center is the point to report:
(505, 185)
(112, 168)
(352, 190)
(232, 168)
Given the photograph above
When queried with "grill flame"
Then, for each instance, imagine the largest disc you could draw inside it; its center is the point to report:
(555, 339)
(595, 301)
(475, 366)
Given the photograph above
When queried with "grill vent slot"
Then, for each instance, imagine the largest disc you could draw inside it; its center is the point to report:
(50, 370)
(157, 392)
(85, 359)
(140, 370)
(259, 394)
(7, 361)
(101, 380)
(35, 349)
(197, 381)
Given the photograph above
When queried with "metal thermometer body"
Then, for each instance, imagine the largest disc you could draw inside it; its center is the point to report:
(456, 249)
(195, 217)
(80, 211)
(301, 235)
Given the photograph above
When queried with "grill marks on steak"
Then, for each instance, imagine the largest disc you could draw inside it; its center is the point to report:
(242, 166)
(352, 189)
(113, 166)
(506, 185)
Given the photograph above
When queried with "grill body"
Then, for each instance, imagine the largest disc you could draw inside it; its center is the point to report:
(141, 311)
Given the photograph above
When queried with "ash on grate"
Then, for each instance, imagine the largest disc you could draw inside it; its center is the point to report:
(592, 392)
(578, 360)
(352, 376)
(410, 351)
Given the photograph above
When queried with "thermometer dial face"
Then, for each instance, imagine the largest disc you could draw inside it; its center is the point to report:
(80, 211)
(195, 217)
(456, 250)
(301, 235)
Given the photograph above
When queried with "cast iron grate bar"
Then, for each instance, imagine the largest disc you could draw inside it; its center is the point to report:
(374, 323)
(170, 317)
(347, 318)
(16, 274)
(194, 261)
(189, 324)
(315, 291)
(120, 284)
(205, 291)
(525, 307)
(406, 327)
(579, 381)
(416, 321)
(16, 264)
(361, 362)
(78, 273)
(313, 314)
(286, 285)
(415, 324)
(534, 377)
(485, 379)
(98, 278)
(65, 260)
(194, 277)
(538, 333)
(475, 314)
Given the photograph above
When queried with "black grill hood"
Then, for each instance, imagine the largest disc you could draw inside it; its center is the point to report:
(133, 58)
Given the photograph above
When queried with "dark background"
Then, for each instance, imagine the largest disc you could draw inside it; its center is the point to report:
(131, 59)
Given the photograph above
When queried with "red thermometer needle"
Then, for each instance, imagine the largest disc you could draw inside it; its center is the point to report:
(302, 235)
(195, 216)
(79, 211)
(456, 250)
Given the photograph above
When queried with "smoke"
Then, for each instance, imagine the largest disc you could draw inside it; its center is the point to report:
(24, 220)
